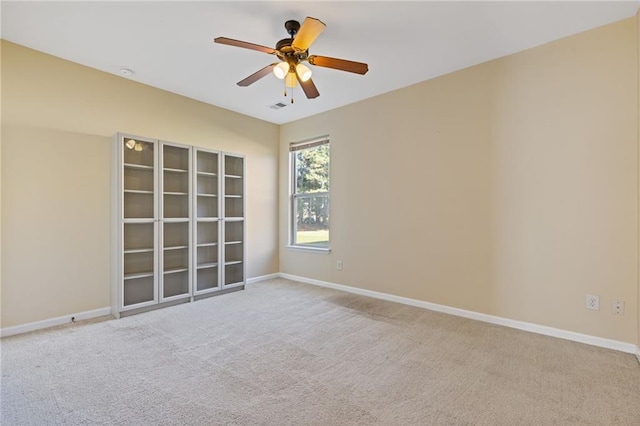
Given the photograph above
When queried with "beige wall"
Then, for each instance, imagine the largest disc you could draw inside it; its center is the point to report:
(638, 56)
(57, 120)
(0, 187)
(509, 188)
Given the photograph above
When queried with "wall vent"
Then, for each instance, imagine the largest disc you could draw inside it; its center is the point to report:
(277, 105)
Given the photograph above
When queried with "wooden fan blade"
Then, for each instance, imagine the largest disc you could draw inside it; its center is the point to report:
(244, 44)
(307, 34)
(308, 88)
(339, 64)
(257, 75)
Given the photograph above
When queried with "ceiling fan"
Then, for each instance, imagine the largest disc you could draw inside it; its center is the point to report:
(292, 52)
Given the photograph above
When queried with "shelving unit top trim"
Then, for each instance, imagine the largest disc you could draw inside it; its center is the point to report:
(176, 144)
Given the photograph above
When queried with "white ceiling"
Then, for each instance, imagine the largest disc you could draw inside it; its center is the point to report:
(170, 45)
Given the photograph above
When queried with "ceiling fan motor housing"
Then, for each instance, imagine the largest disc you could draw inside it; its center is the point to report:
(292, 27)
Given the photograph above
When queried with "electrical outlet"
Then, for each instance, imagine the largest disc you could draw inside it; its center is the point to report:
(339, 265)
(617, 307)
(593, 302)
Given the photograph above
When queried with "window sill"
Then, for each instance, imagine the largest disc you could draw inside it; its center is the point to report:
(319, 250)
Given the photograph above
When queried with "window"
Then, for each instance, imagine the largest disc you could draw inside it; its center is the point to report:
(310, 193)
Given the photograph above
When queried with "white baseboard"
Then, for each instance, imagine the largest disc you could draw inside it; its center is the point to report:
(52, 322)
(520, 325)
(638, 353)
(262, 278)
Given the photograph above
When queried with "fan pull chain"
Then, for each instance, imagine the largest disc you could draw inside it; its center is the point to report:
(292, 89)
(285, 89)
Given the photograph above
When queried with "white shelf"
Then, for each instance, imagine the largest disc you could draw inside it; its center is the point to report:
(207, 265)
(175, 219)
(175, 193)
(138, 275)
(137, 191)
(234, 262)
(138, 220)
(207, 174)
(233, 176)
(175, 270)
(142, 250)
(233, 242)
(137, 166)
(208, 219)
(234, 219)
(168, 169)
(233, 196)
(207, 195)
(207, 244)
(176, 247)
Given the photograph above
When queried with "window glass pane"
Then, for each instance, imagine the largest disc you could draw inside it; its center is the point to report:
(310, 199)
(312, 169)
(312, 220)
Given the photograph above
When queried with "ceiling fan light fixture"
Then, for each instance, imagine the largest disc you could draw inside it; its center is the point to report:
(303, 72)
(291, 80)
(281, 70)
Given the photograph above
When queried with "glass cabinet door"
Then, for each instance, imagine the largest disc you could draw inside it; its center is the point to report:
(207, 276)
(138, 217)
(175, 215)
(234, 204)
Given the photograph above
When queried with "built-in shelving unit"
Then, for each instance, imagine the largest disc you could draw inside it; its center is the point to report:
(178, 221)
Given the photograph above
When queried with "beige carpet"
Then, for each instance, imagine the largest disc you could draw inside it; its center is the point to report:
(283, 353)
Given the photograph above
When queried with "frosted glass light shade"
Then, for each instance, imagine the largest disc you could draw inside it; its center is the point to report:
(304, 72)
(130, 144)
(281, 70)
(292, 80)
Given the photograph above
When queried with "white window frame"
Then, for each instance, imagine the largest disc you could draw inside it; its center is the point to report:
(294, 196)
